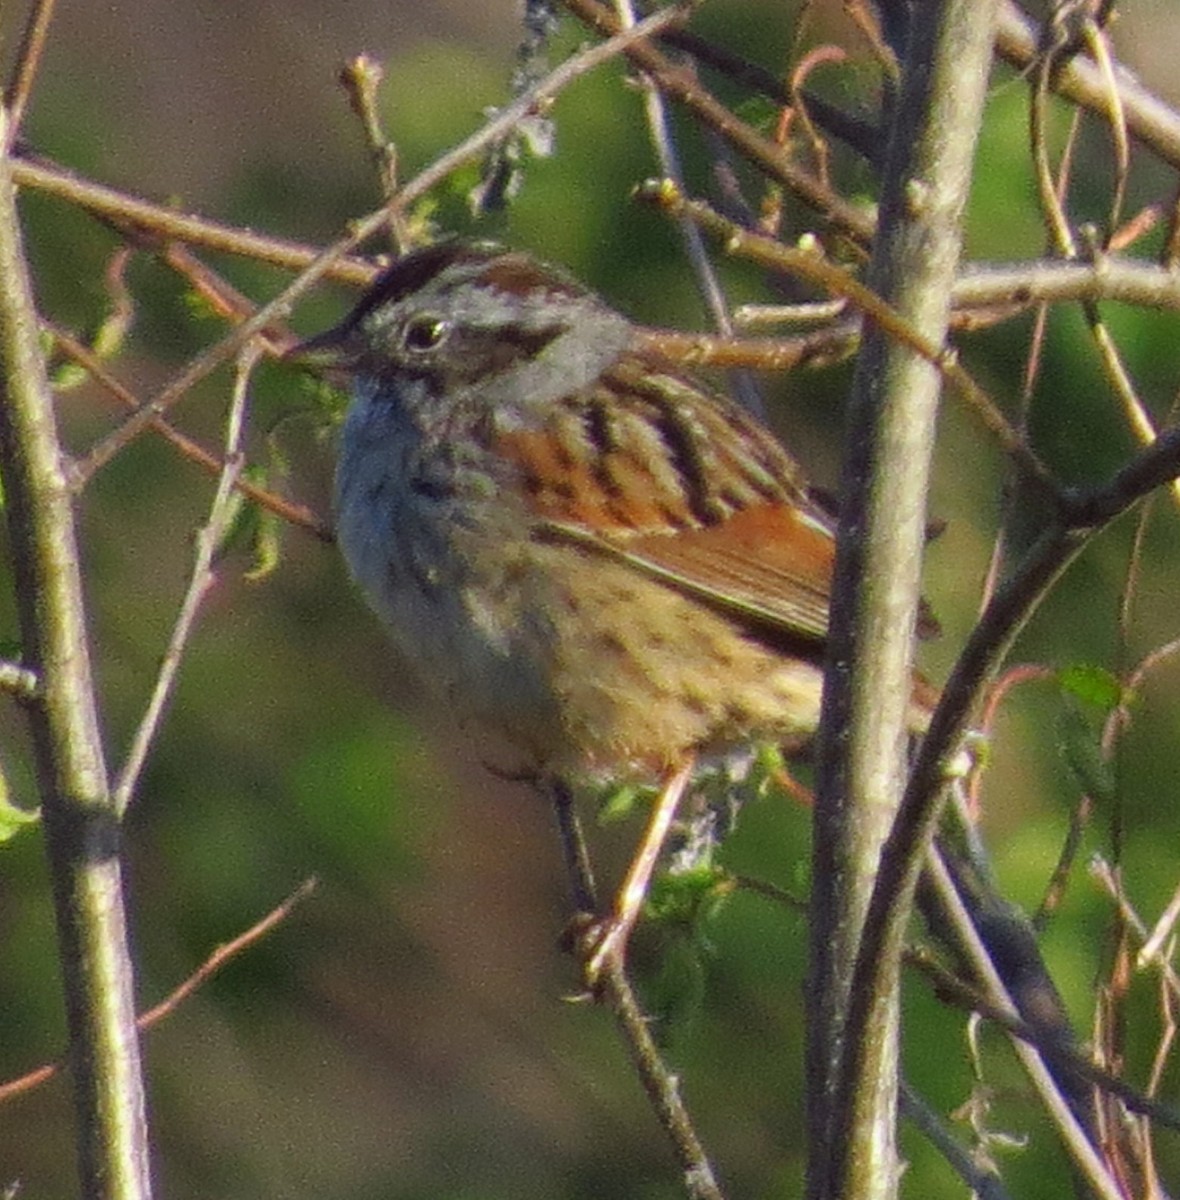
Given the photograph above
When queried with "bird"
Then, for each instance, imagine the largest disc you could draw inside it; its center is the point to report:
(580, 547)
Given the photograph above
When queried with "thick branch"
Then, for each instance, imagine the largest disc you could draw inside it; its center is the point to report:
(852, 1047)
(80, 827)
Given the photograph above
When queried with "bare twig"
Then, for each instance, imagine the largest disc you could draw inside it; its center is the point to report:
(982, 966)
(205, 363)
(28, 59)
(678, 84)
(981, 1178)
(293, 513)
(819, 349)
(1098, 43)
(855, 131)
(661, 1085)
(202, 579)
(226, 952)
(1103, 874)
(660, 133)
(1156, 124)
(361, 78)
(1109, 277)
(1062, 235)
(614, 989)
(816, 268)
(123, 210)
(220, 957)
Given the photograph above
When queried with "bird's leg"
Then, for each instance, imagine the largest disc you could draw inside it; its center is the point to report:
(609, 938)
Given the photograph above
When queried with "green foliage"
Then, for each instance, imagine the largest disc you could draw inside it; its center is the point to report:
(618, 801)
(253, 526)
(13, 819)
(1094, 685)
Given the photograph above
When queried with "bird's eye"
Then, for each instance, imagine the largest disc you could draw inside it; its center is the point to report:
(424, 332)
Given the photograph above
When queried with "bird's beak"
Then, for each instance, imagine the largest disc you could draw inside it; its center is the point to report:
(334, 354)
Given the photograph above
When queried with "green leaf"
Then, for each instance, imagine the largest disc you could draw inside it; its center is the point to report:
(105, 342)
(674, 992)
(690, 897)
(266, 544)
(618, 801)
(1092, 684)
(323, 403)
(680, 906)
(12, 818)
(255, 526)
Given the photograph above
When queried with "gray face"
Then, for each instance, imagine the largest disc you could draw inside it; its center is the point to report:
(475, 330)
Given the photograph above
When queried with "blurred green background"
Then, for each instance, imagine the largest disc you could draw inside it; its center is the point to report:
(405, 1033)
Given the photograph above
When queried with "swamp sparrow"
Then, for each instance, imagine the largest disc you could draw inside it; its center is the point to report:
(611, 568)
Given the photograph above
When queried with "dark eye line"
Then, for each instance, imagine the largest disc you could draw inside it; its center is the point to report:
(530, 342)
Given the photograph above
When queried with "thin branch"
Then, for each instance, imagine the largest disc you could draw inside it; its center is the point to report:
(1019, 41)
(290, 511)
(220, 958)
(1004, 616)
(211, 287)
(127, 213)
(614, 990)
(660, 134)
(679, 84)
(1049, 281)
(817, 269)
(982, 966)
(1157, 465)
(1097, 41)
(1061, 233)
(207, 362)
(225, 953)
(983, 1180)
(854, 131)
(1102, 873)
(28, 59)
(1002, 289)
(661, 1085)
(819, 349)
(202, 579)
(1051, 191)
(361, 79)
